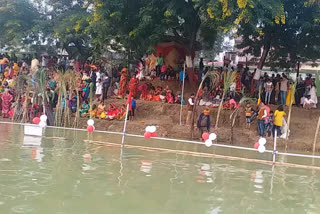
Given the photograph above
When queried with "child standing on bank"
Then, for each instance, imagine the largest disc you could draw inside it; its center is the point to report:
(134, 107)
(269, 124)
(163, 72)
(249, 112)
(278, 118)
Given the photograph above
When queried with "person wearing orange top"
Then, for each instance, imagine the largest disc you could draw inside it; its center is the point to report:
(15, 69)
(150, 95)
(133, 86)
(249, 112)
(262, 115)
(153, 62)
(4, 60)
(123, 82)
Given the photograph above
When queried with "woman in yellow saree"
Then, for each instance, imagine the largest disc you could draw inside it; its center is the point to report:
(289, 96)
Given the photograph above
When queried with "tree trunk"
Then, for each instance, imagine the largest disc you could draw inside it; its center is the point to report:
(266, 49)
(190, 69)
(298, 70)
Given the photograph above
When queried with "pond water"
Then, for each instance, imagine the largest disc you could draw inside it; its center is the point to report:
(75, 176)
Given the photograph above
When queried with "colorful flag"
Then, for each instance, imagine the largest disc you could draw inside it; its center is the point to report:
(129, 102)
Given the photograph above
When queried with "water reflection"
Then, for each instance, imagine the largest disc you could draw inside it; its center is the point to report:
(272, 179)
(258, 181)
(175, 177)
(34, 144)
(146, 167)
(205, 174)
(121, 166)
(82, 177)
(87, 159)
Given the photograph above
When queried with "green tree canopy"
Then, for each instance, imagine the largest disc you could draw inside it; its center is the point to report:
(286, 30)
(17, 21)
(138, 25)
(65, 23)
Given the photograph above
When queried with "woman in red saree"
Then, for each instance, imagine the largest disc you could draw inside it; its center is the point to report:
(133, 86)
(112, 112)
(143, 88)
(123, 82)
(6, 98)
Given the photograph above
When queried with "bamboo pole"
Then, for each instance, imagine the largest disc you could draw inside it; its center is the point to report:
(233, 118)
(91, 99)
(229, 78)
(293, 91)
(315, 137)
(274, 147)
(219, 110)
(76, 119)
(182, 93)
(214, 77)
(194, 110)
(25, 116)
(66, 109)
(125, 125)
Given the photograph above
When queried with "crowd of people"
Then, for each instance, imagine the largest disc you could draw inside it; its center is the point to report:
(92, 79)
(271, 89)
(267, 89)
(138, 84)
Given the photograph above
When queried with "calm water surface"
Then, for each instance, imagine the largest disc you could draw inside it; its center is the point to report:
(74, 176)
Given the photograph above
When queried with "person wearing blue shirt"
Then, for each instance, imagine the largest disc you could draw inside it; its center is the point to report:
(181, 77)
(133, 107)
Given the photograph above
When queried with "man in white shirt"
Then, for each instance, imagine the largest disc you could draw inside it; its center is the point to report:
(98, 74)
(190, 109)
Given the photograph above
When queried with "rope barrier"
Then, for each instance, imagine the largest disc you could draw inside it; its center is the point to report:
(170, 139)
